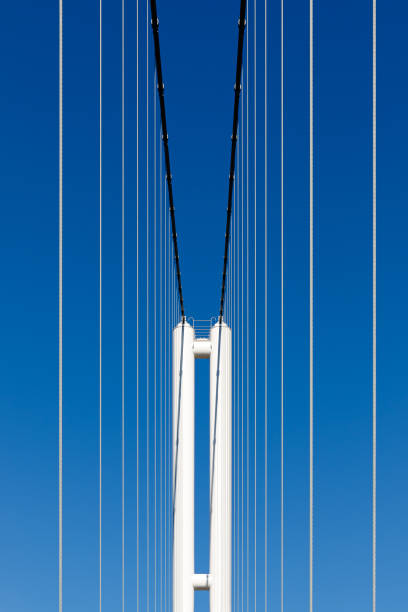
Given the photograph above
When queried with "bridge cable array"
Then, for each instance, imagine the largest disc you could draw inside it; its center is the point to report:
(165, 137)
(237, 87)
(233, 291)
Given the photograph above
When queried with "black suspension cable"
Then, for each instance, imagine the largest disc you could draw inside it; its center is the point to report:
(165, 137)
(237, 87)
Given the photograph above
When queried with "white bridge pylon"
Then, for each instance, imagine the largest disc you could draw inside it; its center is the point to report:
(187, 348)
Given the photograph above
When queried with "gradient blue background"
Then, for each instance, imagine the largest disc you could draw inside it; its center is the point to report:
(199, 50)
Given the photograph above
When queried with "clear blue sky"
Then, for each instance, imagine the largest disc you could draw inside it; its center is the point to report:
(199, 50)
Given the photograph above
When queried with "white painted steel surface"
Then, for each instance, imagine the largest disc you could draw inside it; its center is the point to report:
(202, 348)
(220, 468)
(201, 582)
(183, 468)
(218, 581)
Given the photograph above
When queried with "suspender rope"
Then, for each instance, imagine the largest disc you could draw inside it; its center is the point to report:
(311, 458)
(255, 317)
(137, 313)
(282, 321)
(161, 381)
(165, 399)
(155, 344)
(374, 534)
(247, 322)
(147, 324)
(100, 305)
(60, 306)
(242, 376)
(235, 288)
(237, 337)
(123, 305)
(266, 316)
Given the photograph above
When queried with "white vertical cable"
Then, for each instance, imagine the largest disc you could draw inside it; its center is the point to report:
(168, 409)
(236, 403)
(236, 607)
(163, 386)
(167, 478)
(374, 535)
(234, 378)
(166, 327)
(168, 469)
(233, 417)
(160, 385)
(165, 394)
(171, 436)
(232, 324)
(255, 323)
(161, 377)
(242, 343)
(155, 342)
(240, 179)
(247, 319)
(147, 323)
(167, 402)
(311, 305)
(233, 424)
(60, 307)
(137, 306)
(100, 305)
(236, 411)
(123, 305)
(173, 323)
(237, 391)
(266, 313)
(167, 464)
(282, 405)
(239, 376)
(162, 183)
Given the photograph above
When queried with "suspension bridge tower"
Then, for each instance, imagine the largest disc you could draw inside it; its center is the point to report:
(217, 348)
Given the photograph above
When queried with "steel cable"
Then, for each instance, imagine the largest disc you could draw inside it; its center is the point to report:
(237, 87)
(165, 138)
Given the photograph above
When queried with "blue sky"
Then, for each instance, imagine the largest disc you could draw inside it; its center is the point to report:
(199, 51)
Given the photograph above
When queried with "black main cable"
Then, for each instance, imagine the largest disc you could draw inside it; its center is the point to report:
(237, 87)
(165, 137)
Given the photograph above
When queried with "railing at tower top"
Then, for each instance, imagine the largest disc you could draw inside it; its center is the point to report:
(202, 327)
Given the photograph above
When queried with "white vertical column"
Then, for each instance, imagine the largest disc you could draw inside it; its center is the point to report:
(220, 468)
(183, 468)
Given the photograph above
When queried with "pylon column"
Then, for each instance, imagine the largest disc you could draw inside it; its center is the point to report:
(220, 468)
(183, 468)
